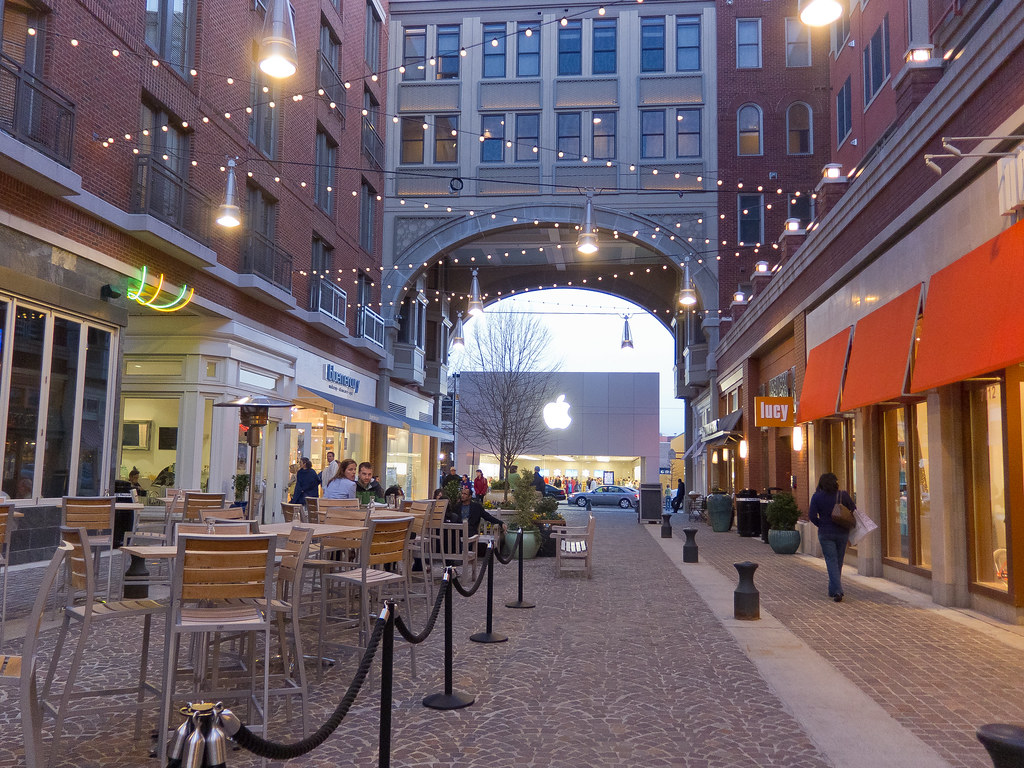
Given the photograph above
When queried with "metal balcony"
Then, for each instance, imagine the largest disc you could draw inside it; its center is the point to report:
(373, 145)
(328, 299)
(266, 260)
(370, 326)
(35, 113)
(163, 194)
(332, 85)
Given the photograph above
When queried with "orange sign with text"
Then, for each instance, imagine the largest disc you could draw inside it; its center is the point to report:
(774, 412)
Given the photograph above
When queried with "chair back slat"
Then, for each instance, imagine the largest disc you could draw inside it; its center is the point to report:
(292, 513)
(79, 561)
(221, 567)
(289, 572)
(221, 513)
(328, 504)
(387, 541)
(196, 501)
(220, 528)
(6, 516)
(91, 513)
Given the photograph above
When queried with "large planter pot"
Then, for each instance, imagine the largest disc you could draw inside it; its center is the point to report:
(720, 512)
(531, 543)
(784, 542)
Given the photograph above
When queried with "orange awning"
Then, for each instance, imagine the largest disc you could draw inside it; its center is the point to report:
(973, 322)
(880, 354)
(823, 378)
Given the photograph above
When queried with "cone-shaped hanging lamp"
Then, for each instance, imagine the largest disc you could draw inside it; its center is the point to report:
(476, 306)
(229, 215)
(278, 52)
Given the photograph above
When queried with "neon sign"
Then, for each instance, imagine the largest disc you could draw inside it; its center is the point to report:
(141, 294)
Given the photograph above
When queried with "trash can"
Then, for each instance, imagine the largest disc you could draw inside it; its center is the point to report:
(748, 513)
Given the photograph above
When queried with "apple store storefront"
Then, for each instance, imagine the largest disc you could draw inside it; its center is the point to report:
(593, 425)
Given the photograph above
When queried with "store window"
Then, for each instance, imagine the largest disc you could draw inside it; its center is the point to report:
(842, 453)
(906, 503)
(149, 441)
(985, 459)
(408, 463)
(55, 437)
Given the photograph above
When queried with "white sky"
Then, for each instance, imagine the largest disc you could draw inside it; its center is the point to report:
(586, 329)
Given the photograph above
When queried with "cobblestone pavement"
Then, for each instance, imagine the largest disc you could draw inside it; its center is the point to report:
(630, 668)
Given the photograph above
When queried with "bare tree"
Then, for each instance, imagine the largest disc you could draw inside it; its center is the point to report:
(500, 410)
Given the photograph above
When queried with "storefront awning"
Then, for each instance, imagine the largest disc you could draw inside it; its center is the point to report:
(694, 449)
(426, 428)
(880, 353)
(355, 410)
(823, 378)
(973, 323)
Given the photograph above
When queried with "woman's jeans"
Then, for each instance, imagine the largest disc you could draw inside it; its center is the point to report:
(833, 549)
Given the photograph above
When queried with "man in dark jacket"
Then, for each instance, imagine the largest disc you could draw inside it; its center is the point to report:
(538, 481)
(366, 484)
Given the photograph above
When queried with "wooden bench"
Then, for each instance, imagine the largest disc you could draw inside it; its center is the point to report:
(574, 547)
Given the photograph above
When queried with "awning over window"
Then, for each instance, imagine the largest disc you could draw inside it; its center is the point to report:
(823, 378)
(695, 448)
(355, 410)
(880, 353)
(973, 323)
(426, 428)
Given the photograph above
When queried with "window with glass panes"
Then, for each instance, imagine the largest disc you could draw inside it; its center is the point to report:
(570, 48)
(492, 133)
(652, 45)
(447, 52)
(652, 134)
(798, 128)
(446, 138)
(748, 130)
(412, 139)
(371, 45)
(876, 60)
(527, 136)
(688, 132)
(568, 139)
(605, 44)
(264, 118)
(802, 208)
(162, 185)
(367, 216)
(494, 50)
(604, 135)
(798, 43)
(414, 53)
(844, 114)
(528, 50)
(326, 155)
(687, 43)
(906, 476)
(748, 43)
(170, 26)
(751, 219)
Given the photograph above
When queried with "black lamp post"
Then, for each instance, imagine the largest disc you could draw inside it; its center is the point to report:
(254, 413)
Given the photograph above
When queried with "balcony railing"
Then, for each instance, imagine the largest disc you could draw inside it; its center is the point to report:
(373, 146)
(35, 113)
(370, 326)
(329, 299)
(162, 193)
(332, 84)
(265, 259)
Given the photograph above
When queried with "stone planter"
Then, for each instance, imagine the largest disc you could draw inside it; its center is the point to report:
(531, 543)
(784, 542)
(719, 506)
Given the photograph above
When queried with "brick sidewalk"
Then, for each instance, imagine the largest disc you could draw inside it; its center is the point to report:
(628, 669)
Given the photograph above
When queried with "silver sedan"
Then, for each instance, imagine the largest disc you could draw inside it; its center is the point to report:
(607, 495)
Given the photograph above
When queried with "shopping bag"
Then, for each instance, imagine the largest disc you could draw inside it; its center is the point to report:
(865, 525)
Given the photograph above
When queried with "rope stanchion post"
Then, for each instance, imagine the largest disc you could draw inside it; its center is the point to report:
(387, 680)
(449, 699)
(490, 636)
(520, 603)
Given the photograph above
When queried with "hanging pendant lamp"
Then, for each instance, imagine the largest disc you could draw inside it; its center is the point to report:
(587, 243)
(278, 53)
(229, 215)
(476, 306)
(627, 335)
(687, 296)
(818, 13)
(459, 338)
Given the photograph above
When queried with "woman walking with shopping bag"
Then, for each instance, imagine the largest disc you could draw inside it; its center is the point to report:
(832, 535)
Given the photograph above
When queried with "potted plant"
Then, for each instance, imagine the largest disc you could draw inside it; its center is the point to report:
(525, 498)
(241, 483)
(782, 515)
(719, 506)
(545, 516)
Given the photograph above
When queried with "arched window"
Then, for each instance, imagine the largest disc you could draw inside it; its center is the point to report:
(748, 129)
(798, 128)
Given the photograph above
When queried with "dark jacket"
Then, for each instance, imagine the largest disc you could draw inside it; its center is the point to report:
(307, 481)
(378, 492)
(476, 513)
(680, 497)
(538, 483)
(820, 512)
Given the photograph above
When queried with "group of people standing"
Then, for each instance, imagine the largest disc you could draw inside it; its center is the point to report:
(340, 480)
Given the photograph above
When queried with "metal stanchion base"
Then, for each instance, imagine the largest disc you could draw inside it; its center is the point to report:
(488, 637)
(521, 604)
(446, 701)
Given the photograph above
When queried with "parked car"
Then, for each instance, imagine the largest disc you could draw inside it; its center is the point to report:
(553, 492)
(607, 495)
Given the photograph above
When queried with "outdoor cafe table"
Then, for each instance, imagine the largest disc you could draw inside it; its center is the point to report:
(139, 574)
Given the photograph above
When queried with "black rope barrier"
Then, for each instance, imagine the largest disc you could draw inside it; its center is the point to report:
(479, 578)
(490, 636)
(387, 682)
(403, 628)
(515, 547)
(449, 699)
(276, 751)
(520, 603)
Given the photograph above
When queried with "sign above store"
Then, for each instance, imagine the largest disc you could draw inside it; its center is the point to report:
(342, 381)
(774, 412)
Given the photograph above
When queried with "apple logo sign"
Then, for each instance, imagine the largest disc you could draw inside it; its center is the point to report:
(556, 414)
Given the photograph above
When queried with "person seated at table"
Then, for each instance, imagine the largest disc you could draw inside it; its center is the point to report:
(307, 482)
(474, 512)
(343, 485)
(394, 495)
(367, 483)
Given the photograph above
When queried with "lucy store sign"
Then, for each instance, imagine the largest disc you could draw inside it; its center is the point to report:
(774, 412)
(340, 380)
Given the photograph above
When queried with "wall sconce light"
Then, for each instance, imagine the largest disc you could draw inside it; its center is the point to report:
(919, 54)
(739, 297)
(832, 171)
(792, 225)
(476, 306)
(278, 52)
(761, 268)
(798, 438)
(743, 449)
(819, 13)
(725, 454)
(714, 457)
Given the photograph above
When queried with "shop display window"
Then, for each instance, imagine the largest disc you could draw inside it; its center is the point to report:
(408, 463)
(143, 421)
(985, 460)
(906, 502)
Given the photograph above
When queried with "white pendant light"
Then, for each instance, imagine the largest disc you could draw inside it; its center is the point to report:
(587, 243)
(687, 296)
(278, 53)
(818, 13)
(459, 339)
(627, 335)
(229, 215)
(476, 306)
